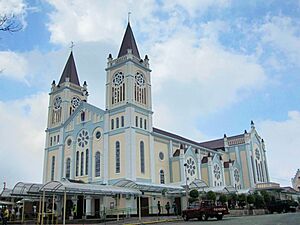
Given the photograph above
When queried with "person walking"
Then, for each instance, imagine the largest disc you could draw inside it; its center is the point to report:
(159, 208)
(174, 206)
(168, 208)
(5, 215)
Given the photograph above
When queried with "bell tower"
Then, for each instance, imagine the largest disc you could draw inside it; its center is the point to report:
(66, 96)
(128, 76)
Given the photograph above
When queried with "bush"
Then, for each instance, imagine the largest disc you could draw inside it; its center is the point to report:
(223, 198)
(194, 193)
(211, 196)
(250, 199)
(259, 201)
(242, 200)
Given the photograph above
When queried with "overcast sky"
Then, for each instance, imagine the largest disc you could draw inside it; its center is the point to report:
(216, 65)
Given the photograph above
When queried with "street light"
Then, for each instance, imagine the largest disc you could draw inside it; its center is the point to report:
(186, 186)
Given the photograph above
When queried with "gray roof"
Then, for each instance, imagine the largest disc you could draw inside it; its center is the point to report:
(70, 72)
(128, 43)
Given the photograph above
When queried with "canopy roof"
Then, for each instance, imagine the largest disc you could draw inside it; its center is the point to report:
(6, 193)
(59, 187)
(198, 184)
(25, 189)
(147, 187)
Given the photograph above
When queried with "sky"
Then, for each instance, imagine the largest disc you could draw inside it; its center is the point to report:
(216, 65)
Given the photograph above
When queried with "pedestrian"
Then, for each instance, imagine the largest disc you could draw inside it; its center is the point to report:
(174, 206)
(168, 208)
(5, 215)
(159, 208)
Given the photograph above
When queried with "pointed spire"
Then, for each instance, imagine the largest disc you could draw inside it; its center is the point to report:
(70, 72)
(128, 43)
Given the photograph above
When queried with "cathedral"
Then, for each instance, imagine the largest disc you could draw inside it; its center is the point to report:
(119, 146)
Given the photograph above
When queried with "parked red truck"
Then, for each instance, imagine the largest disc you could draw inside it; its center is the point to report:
(204, 210)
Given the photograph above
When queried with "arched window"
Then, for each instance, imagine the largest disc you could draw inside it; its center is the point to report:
(122, 121)
(136, 121)
(142, 156)
(118, 157)
(68, 165)
(52, 168)
(77, 163)
(97, 164)
(117, 122)
(162, 176)
(82, 116)
(81, 164)
(141, 123)
(112, 124)
(86, 162)
(145, 124)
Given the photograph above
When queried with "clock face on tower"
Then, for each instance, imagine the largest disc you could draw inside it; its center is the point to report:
(118, 78)
(139, 79)
(75, 102)
(57, 102)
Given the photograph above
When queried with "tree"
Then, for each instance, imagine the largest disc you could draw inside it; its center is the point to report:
(250, 199)
(259, 201)
(266, 196)
(194, 194)
(223, 198)
(10, 23)
(211, 196)
(232, 199)
(242, 200)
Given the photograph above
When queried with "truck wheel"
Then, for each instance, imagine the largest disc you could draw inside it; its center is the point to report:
(219, 217)
(185, 217)
(204, 217)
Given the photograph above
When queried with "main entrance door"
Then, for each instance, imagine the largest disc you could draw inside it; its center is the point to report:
(144, 206)
(178, 205)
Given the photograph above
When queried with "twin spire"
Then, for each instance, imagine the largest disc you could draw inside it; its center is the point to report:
(128, 42)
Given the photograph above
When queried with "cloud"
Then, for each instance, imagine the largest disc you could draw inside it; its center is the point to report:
(15, 8)
(13, 66)
(89, 21)
(195, 7)
(282, 144)
(22, 138)
(195, 77)
(282, 34)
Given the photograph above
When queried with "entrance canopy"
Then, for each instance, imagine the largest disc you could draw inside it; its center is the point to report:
(59, 187)
(22, 189)
(198, 184)
(148, 187)
(6, 193)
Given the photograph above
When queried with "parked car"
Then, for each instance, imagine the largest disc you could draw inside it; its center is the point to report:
(203, 210)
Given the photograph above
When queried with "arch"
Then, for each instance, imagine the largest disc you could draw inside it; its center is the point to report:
(86, 161)
(97, 164)
(117, 122)
(142, 156)
(118, 161)
(77, 163)
(161, 176)
(52, 168)
(68, 168)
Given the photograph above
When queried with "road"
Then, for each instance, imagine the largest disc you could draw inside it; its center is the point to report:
(270, 219)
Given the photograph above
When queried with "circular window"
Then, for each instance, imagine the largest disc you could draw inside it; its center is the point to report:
(98, 134)
(83, 138)
(69, 142)
(191, 166)
(161, 156)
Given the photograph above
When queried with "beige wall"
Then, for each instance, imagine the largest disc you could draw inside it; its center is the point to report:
(245, 169)
(161, 164)
(50, 154)
(204, 174)
(176, 171)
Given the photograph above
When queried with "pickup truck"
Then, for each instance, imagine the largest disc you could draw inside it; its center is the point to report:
(204, 210)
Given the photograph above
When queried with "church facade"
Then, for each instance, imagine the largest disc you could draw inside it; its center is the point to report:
(119, 143)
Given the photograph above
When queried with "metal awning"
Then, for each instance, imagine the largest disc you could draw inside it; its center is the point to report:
(59, 187)
(25, 189)
(220, 189)
(198, 184)
(6, 193)
(148, 187)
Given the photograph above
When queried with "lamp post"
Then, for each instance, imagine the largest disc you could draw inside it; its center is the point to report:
(186, 186)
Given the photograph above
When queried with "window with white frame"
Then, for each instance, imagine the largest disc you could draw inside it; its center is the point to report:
(68, 166)
(97, 164)
(118, 161)
(142, 156)
(162, 176)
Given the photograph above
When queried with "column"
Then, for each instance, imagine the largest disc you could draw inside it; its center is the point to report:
(88, 207)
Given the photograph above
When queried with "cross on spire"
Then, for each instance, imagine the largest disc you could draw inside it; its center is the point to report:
(129, 17)
(72, 46)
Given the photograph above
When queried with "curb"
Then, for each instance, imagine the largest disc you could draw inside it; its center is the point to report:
(154, 221)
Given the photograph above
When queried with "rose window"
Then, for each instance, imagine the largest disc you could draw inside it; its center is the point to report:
(257, 154)
(191, 167)
(139, 78)
(118, 78)
(217, 172)
(83, 138)
(236, 175)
